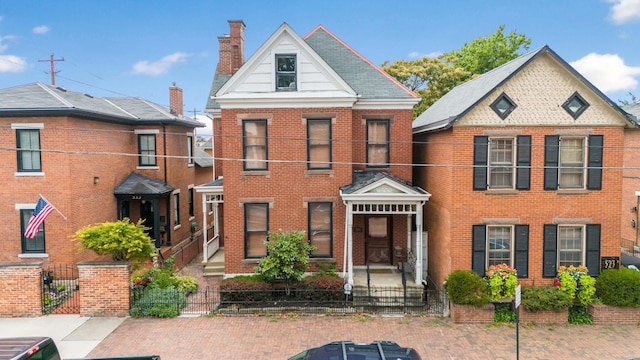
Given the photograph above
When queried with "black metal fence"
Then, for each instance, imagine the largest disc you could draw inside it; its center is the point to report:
(60, 289)
(370, 300)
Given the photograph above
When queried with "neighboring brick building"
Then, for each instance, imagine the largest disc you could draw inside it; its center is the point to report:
(309, 135)
(525, 167)
(95, 159)
(631, 190)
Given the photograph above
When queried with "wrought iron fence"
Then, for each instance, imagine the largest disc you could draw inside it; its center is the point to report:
(60, 289)
(372, 300)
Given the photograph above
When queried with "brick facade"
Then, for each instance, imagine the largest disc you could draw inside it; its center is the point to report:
(21, 289)
(104, 289)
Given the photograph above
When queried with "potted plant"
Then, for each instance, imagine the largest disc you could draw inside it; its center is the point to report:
(502, 281)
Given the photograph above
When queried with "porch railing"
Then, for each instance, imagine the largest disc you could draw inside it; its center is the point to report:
(210, 247)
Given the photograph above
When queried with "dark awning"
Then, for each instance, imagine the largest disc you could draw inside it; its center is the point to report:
(136, 184)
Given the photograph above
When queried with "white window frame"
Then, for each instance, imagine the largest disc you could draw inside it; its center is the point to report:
(565, 167)
(583, 243)
(511, 244)
(492, 164)
(176, 209)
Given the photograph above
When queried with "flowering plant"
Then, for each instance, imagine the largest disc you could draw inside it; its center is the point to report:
(502, 281)
(576, 281)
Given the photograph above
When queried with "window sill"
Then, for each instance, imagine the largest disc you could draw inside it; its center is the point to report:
(176, 227)
(33, 256)
(35, 174)
(190, 165)
(147, 167)
(250, 261)
(572, 191)
(265, 173)
(328, 172)
(502, 192)
(191, 218)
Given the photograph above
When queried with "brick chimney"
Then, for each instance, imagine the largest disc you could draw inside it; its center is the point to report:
(232, 48)
(176, 104)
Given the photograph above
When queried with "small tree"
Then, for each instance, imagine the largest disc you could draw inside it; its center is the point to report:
(124, 240)
(287, 257)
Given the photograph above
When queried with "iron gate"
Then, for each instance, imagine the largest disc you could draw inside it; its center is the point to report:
(60, 289)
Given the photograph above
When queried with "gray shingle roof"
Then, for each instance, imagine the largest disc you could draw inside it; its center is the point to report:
(40, 99)
(136, 184)
(454, 104)
(218, 81)
(201, 158)
(633, 109)
(361, 179)
(365, 78)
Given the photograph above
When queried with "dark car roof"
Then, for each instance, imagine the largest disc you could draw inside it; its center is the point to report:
(375, 350)
(10, 348)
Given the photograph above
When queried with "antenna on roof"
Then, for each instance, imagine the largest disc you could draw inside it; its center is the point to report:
(53, 71)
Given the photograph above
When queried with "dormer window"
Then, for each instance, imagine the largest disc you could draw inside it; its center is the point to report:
(575, 105)
(286, 72)
(503, 106)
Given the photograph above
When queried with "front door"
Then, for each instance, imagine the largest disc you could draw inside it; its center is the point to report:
(378, 239)
(146, 213)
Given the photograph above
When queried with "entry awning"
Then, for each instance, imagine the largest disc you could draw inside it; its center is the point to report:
(136, 184)
(382, 191)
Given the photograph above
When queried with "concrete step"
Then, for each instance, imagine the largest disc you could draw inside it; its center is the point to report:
(213, 269)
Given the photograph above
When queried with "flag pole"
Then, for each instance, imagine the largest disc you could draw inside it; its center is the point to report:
(55, 208)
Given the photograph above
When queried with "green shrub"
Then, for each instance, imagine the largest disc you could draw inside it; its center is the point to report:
(187, 284)
(326, 268)
(465, 287)
(159, 302)
(504, 315)
(579, 315)
(619, 287)
(541, 298)
(576, 281)
(244, 289)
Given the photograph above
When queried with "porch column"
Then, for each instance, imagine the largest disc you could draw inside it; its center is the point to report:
(216, 220)
(419, 243)
(408, 234)
(205, 256)
(349, 243)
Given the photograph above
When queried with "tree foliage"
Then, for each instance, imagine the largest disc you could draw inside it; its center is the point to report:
(287, 257)
(433, 77)
(123, 240)
(625, 102)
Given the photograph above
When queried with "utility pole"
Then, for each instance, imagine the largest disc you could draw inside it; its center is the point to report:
(53, 70)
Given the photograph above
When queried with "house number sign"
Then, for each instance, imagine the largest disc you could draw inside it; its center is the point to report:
(610, 262)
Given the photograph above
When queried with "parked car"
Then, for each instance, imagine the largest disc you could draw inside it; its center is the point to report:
(44, 348)
(343, 350)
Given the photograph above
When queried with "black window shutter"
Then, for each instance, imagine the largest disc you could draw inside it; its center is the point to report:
(521, 256)
(593, 249)
(523, 172)
(551, 155)
(480, 161)
(478, 260)
(594, 171)
(550, 250)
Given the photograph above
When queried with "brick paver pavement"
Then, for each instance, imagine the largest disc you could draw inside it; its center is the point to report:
(278, 337)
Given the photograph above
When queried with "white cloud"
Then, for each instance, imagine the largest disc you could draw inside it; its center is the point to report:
(208, 129)
(11, 63)
(419, 55)
(159, 67)
(624, 11)
(4, 47)
(608, 72)
(42, 29)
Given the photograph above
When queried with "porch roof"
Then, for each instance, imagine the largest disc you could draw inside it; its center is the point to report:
(136, 184)
(378, 186)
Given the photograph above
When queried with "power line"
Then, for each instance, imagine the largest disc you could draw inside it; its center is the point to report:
(52, 62)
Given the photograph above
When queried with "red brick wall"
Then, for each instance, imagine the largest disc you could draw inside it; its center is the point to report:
(104, 289)
(21, 289)
(630, 184)
(455, 206)
(469, 314)
(613, 315)
(543, 317)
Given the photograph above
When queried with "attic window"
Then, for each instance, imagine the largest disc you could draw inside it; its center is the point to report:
(503, 106)
(576, 105)
(285, 72)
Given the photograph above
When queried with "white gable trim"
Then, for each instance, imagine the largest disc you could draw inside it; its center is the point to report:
(267, 49)
(391, 191)
(385, 104)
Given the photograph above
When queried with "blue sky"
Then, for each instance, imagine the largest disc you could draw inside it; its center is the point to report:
(139, 48)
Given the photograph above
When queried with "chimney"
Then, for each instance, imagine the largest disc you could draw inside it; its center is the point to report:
(176, 104)
(232, 48)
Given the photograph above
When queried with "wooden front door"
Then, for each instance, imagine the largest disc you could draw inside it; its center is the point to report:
(378, 239)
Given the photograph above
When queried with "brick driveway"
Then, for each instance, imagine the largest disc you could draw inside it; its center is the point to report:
(277, 337)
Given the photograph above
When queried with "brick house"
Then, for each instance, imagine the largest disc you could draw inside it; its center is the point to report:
(525, 167)
(95, 159)
(309, 135)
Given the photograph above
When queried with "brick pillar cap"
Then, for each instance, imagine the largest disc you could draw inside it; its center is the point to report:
(21, 264)
(103, 263)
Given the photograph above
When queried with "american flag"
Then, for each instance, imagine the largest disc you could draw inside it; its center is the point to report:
(43, 208)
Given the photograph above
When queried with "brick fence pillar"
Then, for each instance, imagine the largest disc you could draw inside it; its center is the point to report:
(20, 289)
(104, 288)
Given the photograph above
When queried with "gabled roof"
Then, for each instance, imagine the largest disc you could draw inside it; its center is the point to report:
(367, 79)
(38, 99)
(136, 184)
(218, 81)
(461, 99)
(633, 110)
(362, 180)
(201, 158)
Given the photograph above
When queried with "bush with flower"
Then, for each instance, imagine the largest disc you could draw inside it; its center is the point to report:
(502, 281)
(576, 281)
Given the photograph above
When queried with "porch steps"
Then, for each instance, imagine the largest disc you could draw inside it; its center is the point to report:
(215, 265)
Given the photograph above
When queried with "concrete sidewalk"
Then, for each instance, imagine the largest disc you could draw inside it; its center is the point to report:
(75, 335)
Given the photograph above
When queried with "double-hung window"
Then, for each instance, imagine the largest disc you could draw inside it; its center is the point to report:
(286, 72)
(35, 245)
(500, 243)
(571, 174)
(569, 244)
(377, 143)
(147, 149)
(254, 141)
(321, 228)
(256, 228)
(501, 163)
(319, 144)
(573, 162)
(189, 150)
(176, 208)
(191, 200)
(28, 145)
